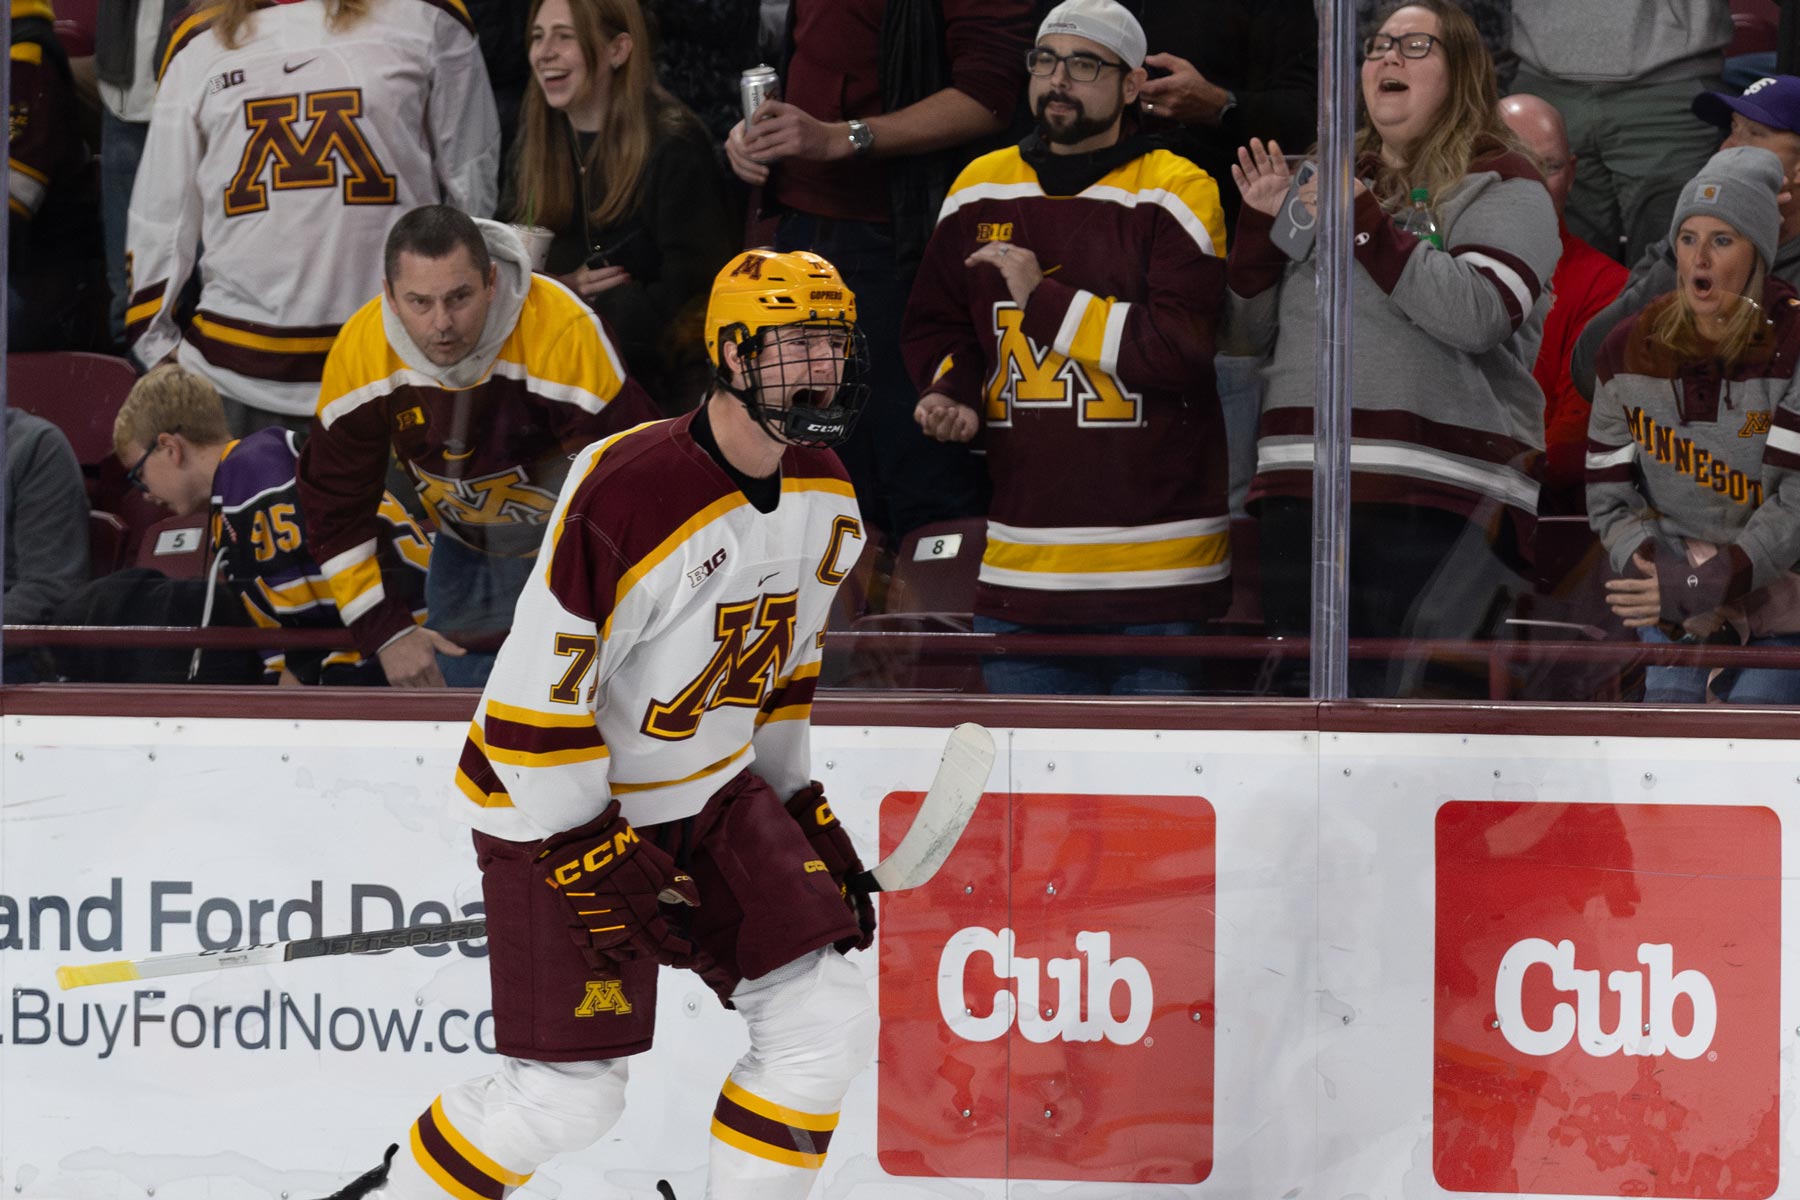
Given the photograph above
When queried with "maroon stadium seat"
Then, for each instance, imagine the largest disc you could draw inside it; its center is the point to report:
(79, 393)
(1756, 27)
(176, 546)
(932, 590)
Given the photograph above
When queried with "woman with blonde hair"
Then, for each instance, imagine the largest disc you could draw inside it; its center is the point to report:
(627, 179)
(1694, 442)
(285, 140)
(1446, 423)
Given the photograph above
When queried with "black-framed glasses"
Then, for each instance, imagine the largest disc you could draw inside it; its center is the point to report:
(135, 476)
(1082, 68)
(1412, 45)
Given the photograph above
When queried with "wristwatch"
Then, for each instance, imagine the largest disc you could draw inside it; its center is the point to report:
(1230, 103)
(861, 136)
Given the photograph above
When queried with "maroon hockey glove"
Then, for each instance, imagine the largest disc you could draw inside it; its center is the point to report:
(831, 842)
(614, 883)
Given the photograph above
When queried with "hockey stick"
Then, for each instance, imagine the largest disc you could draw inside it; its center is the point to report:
(126, 969)
(949, 804)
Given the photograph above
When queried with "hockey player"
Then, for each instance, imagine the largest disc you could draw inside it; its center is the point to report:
(484, 379)
(627, 768)
(171, 437)
(286, 139)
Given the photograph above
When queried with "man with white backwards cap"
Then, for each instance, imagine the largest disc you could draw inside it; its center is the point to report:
(1067, 305)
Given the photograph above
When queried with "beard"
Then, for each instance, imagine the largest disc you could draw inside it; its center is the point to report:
(1070, 130)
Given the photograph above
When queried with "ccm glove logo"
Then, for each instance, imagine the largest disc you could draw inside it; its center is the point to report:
(599, 856)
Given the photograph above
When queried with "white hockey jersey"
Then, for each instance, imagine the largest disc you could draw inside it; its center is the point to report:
(289, 158)
(670, 637)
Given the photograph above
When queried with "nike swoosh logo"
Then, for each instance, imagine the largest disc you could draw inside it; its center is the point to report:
(289, 70)
(766, 578)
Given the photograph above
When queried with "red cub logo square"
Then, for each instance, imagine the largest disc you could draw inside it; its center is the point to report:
(1047, 1000)
(1608, 986)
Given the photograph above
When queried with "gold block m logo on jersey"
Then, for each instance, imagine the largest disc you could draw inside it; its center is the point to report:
(503, 498)
(741, 670)
(603, 995)
(333, 137)
(1027, 375)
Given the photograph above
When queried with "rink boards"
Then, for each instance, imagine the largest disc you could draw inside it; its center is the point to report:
(1182, 964)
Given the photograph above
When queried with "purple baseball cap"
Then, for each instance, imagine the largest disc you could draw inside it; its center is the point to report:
(1774, 100)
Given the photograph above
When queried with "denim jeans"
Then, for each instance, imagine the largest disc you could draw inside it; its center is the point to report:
(1734, 685)
(1073, 676)
(121, 148)
(471, 592)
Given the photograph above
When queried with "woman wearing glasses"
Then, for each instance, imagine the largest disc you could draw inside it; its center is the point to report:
(1447, 423)
(1693, 461)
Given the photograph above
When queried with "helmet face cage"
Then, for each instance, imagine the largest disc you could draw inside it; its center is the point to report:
(785, 358)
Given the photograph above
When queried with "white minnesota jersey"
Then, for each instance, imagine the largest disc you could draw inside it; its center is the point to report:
(289, 157)
(669, 638)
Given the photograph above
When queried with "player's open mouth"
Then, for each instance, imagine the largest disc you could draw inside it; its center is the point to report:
(812, 397)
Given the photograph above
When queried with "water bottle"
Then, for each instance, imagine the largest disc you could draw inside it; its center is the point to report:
(1418, 220)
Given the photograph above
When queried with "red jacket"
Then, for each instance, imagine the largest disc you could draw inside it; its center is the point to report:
(1585, 282)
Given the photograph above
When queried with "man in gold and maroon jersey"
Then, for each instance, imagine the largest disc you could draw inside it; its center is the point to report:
(627, 767)
(484, 379)
(54, 264)
(1067, 307)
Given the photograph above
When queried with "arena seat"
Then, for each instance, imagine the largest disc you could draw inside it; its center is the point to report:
(76, 21)
(176, 546)
(1756, 26)
(935, 569)
(79, 393)
(932, 590)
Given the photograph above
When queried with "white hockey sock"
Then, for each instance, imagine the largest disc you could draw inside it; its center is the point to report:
(483, 1138)
(812, 1029)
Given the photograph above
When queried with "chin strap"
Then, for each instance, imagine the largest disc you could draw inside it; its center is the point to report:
(816, 428)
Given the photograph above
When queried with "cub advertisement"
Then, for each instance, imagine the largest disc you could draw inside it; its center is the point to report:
(1069, 1034)
(1607, 988)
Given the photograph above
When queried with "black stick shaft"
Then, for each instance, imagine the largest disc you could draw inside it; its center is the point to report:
(377, 941)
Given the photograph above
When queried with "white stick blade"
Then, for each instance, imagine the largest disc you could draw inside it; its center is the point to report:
(949, 804)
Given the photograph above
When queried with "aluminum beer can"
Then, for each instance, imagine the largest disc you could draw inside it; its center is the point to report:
(756, 85)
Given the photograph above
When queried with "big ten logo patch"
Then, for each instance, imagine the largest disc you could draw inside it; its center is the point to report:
(994, 231)
(1047, 1000)
(1608, 983)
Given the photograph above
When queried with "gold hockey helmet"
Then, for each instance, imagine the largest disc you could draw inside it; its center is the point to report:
(761, 291)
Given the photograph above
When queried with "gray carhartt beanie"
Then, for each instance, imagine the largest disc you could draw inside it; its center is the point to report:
(1740, 187)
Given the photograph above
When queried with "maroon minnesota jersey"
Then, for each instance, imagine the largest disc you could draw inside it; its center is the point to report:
(1099, 411)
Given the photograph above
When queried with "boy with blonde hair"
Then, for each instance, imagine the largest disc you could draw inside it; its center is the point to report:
(172, 437)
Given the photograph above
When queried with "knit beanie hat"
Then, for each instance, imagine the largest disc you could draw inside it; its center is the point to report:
(1738, 186)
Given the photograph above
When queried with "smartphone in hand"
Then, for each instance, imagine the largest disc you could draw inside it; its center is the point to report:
(1294, 222)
